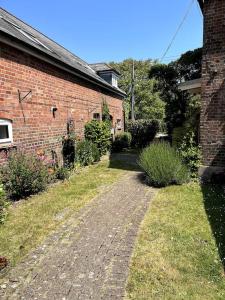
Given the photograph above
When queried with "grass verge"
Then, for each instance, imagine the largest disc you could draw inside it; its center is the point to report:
(176, 256)
(31, 220)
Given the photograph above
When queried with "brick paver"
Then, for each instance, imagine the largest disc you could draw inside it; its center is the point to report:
(88, 257)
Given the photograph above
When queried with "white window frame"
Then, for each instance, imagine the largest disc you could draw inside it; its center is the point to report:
(114, 80)
(9, 140)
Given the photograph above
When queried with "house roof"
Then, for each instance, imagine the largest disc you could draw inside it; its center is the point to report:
(201, 3)
(190, 84)
(103, 67)
(32, 38)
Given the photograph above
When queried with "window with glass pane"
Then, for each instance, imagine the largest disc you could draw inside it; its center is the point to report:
(96, 116)
(4, 132)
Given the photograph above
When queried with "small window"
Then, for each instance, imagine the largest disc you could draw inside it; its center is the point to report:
(114, 80)
(5, 131)
(118, 124)
(96, 116)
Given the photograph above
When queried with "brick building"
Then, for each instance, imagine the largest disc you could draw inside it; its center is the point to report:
(44, 89)
(212, 124)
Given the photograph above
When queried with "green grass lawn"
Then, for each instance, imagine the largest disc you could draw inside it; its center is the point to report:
(176, 254)
(31, 220)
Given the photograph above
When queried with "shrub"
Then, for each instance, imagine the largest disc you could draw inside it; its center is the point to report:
(84, 153)
(190, 153)
(163, 165)
(142, 132)
(98, 133)
(24, 175)
(122, 140)
(178, 135)
(3, 205)
(68, 150)
(62, 173)
(95, 153)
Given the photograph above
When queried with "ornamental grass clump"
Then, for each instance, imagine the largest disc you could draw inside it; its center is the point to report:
(163, 165)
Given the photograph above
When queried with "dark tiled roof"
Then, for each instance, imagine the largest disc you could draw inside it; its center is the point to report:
(19, 30)
(101, 67)
(201, 3)
(190, 84)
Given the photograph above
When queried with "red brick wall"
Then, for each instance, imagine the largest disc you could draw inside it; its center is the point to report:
(34, 126)
(212, 127)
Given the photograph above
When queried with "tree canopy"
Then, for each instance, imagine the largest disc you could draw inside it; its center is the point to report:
(156, 87)
(148, 104)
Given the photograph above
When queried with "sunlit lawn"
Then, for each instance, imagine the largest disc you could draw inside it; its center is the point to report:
(176, 256)
(31, 220)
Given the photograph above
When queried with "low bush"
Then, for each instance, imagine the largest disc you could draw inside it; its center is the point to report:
(95, 153)
(122, 141)
(177, 136)
(190, 153)
(62, 173)
(98, 133)
(86, 153)
(163, 165)
(23, 175)
(3, 205)
(142, 132)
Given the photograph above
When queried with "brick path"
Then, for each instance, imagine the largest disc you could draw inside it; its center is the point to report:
(88, 257)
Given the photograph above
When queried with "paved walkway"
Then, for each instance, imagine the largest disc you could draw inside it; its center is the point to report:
(88, 257)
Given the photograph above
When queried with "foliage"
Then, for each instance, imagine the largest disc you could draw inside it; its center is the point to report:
(3, 205)
(191, 124)
(68, 150)
(24, 175)
(87, 153)
(142, 132)
(178, 135)
(99, 134)
(189, 65)
(163, 165)
(148, 103)
(167, 87)
(84, 154)
(122, 141)
(95, 153)
(62, 173)
(192, 115)
(190, 153)
(105, 112)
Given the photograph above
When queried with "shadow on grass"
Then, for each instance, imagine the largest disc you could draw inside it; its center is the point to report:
(124, 161)
(214, 202)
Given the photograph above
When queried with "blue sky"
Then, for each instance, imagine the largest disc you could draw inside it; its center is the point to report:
(104, 30)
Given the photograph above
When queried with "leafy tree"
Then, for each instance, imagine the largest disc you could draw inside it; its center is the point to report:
(188, 66)
(167, 87)
(156, 87)
(148, 104)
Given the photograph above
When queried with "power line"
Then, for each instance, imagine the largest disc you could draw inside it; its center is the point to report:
(178, 29)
